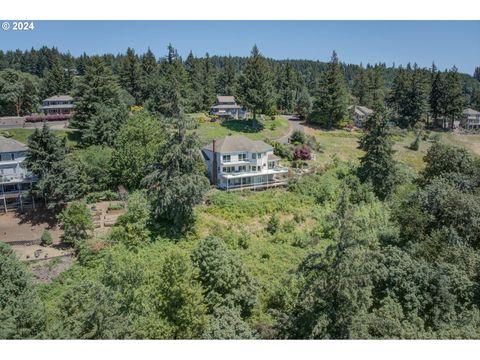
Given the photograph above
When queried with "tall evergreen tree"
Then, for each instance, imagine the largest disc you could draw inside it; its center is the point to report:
(436, 89)
(97, 88)
(208, 82)
(149, 66)
(176, 181)
(44, 150)
(226, 80)
(256, 86)
(453, 100)
(360, 88)
(378, 165)
(171, 88)
(331, 94)
(193, 68)
(476, 74)
(21, 311)
(131, 75)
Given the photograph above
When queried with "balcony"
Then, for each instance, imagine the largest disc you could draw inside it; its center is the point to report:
(274, 171)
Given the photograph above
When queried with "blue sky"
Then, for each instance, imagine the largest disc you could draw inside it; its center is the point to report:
(447, 43)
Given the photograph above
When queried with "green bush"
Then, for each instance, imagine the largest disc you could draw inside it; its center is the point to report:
(273, 224)
(298, 137)
(46, 239)
(101, 196)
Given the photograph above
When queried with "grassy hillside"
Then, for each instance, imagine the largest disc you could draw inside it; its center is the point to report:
(266, 129)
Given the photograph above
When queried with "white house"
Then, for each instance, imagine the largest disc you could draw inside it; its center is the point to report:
(470, 119)
(15, 181)
(360, 115)
(227, 107)
(236, 162)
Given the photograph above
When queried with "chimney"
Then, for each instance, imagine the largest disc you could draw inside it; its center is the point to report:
(214, 164)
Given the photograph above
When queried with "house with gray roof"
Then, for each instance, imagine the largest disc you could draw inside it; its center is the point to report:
(15, 180)
(57, 105)
(236, 162)
(470, 119)
(360, 114)
(226, 107)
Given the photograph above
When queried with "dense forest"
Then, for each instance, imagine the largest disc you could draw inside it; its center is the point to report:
(352, 250)
(290, 86)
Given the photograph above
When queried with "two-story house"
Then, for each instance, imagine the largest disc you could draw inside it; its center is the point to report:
(227, 107)
(236, 162)
(15, 181)
(360, 114)
(470, 119)
(57, 105)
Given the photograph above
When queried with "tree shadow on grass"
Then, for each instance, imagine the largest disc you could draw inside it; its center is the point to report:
(244, 126)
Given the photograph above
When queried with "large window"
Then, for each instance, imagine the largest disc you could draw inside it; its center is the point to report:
(242, 157)
(225, 158)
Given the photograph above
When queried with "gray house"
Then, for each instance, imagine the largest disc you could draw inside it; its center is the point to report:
(57, 105)
(15, 181)
(470, 119)
(360, 114)
(236, 162)
(227, 107)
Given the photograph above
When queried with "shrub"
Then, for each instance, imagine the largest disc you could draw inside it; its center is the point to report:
(273, 126)
(302, 153)
(114, 206)
(46, 239)
(415, 145)
(298, 137)
(284, 151)
(273, 224)
(107, 195)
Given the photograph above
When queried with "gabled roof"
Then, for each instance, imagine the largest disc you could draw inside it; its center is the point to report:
(238, 143)
(59, 98)
(470, 111)
(225, 99)
(362, 110)
(10, 145)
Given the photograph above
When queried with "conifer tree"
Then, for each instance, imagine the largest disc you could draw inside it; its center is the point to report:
(378, 165)
(98, 87)
(226, 80)
(130, 75)
(436, 90)
(256, 84)
(208, 82)
(175, 181)
(476, 74)
(331, 95)
(193, 68)
(361, 87)
(452, 100)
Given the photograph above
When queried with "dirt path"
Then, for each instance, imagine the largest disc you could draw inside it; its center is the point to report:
(293, 124)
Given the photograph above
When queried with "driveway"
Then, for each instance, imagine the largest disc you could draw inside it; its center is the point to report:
(294, 123)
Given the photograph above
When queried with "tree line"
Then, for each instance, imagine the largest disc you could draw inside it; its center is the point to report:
(319, 91)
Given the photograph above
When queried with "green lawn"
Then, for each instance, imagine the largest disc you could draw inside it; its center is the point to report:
(343, 145)
(266, 129)
(22, 134)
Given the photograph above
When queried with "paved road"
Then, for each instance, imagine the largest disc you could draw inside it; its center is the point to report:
(294, 124)
(19, 123)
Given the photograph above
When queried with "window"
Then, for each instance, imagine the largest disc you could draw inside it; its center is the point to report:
(227, 169)
(242, 168)
(254, 156)
(259, 155)
(242, 157)
(225, 158)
